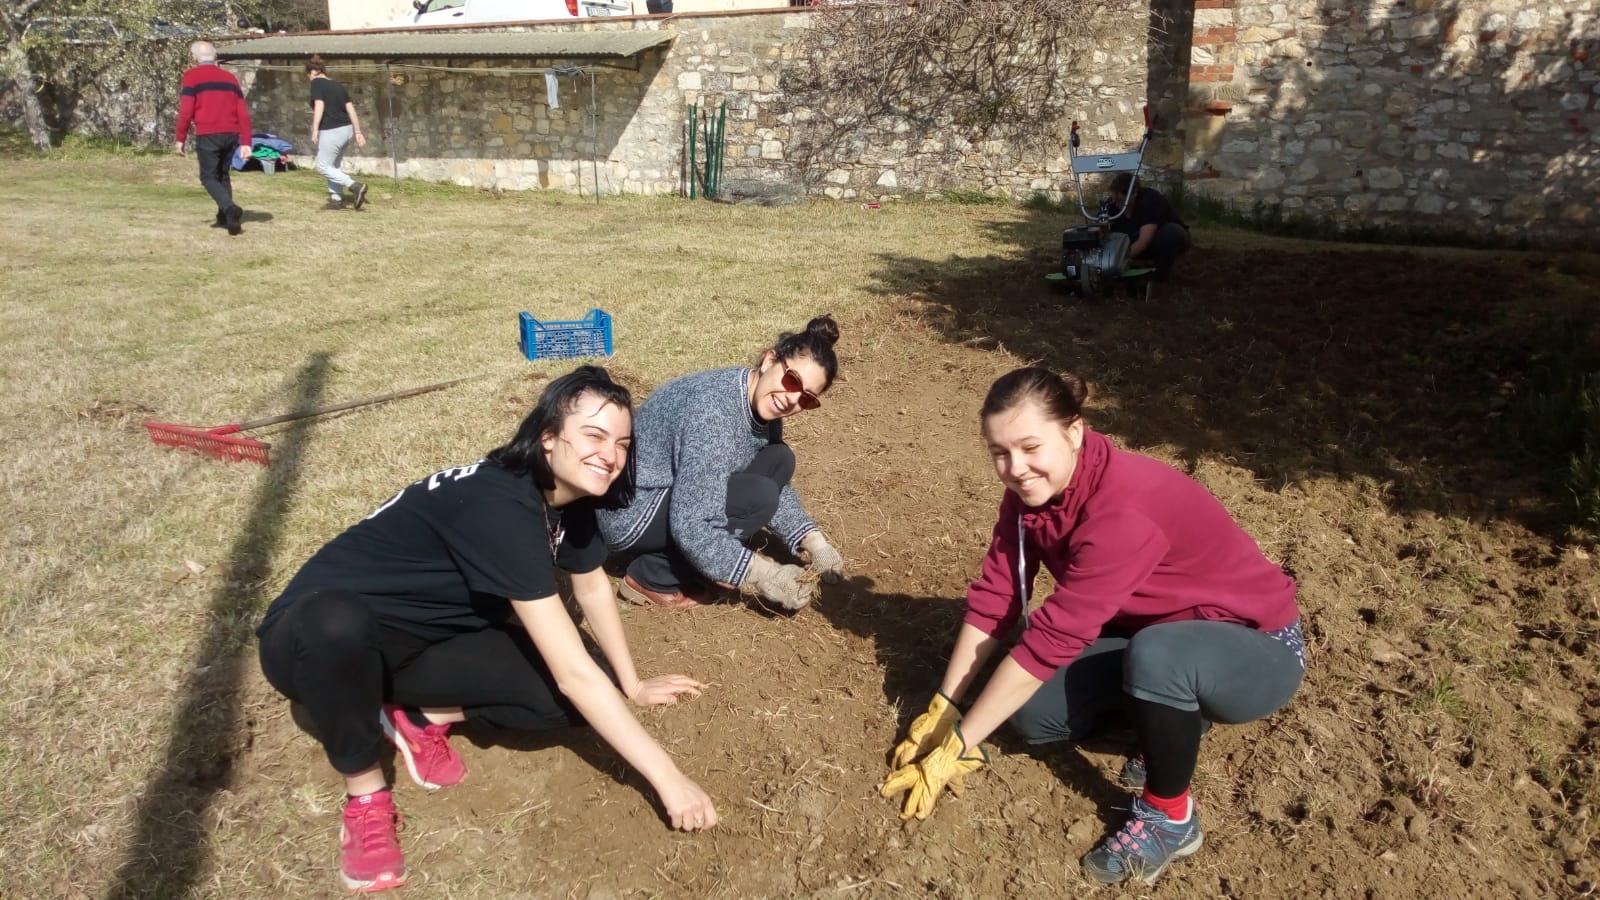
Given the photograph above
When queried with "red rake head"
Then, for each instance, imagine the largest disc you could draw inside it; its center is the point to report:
(218, 443)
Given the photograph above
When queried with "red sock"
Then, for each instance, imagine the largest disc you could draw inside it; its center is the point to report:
(1176, 808)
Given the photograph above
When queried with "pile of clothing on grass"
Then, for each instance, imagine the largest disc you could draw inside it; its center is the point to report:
(268, 151)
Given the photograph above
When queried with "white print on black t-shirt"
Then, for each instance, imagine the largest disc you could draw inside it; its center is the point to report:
(454, 473)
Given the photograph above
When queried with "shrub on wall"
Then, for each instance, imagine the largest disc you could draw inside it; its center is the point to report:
(126, 90)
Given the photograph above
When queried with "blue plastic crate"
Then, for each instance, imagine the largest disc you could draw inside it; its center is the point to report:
(588, 336)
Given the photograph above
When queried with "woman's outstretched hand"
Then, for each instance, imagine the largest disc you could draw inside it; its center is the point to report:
(688, 807)
(665, 689)
(825, 559)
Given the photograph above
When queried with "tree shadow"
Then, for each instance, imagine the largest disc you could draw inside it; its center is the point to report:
(169, 851)
(1296, 364)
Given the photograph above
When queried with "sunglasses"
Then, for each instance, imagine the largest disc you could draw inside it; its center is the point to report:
(792, 383)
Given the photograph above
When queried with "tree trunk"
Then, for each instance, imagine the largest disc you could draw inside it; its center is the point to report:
(22, 77)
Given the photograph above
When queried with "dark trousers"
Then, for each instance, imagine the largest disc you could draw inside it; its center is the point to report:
(752, 502)
(1170, 242)
(329, 652)
(215, 153)
(1173, 678)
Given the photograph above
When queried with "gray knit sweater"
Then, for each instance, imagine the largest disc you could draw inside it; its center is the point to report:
(690, 435)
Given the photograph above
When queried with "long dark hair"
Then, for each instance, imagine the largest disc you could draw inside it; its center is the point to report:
(815, 342)
(524, 454)
(1060, 396)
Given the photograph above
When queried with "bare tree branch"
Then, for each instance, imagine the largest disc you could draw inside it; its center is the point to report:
(980, 69)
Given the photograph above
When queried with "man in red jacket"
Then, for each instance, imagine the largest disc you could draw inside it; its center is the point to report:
(213, 101)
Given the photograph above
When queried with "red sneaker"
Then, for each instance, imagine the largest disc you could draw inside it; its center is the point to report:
(369, 852)
(426, 750)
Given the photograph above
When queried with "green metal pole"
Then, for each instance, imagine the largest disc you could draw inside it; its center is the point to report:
(693, 126)
(707, 149)
(722, 142)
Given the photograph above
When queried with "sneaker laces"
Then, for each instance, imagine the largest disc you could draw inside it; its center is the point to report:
(432, 742)
(1137, 837)
(375, 827)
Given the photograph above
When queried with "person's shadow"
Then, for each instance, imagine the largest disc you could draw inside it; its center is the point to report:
(912, 637)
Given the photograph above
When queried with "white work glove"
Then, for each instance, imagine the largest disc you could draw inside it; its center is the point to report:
(790, 587)
(825, 560)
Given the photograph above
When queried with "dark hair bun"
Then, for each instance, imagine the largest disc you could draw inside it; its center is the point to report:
(824, 327)
(1077, 387)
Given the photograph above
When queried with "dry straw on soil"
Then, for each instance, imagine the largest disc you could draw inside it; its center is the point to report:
(1331, 398)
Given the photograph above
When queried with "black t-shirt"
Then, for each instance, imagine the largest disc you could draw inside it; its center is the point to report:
(447, 554)
(1149, 207)
(333, 97)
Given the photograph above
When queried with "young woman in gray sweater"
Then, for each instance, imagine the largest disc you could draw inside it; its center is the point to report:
(713, 470)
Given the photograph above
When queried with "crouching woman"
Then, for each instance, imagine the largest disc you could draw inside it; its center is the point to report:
(1163, 606)
(441, 607)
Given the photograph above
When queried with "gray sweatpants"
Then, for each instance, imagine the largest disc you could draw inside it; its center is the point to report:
(1230, 673)
(331, 144)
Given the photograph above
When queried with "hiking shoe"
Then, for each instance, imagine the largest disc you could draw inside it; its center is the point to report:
(1134, 773)
(333, 204)
(233, 219)
(369, 850)
(358, 192)
(644, 596)
(1145, 845)
(425, 749)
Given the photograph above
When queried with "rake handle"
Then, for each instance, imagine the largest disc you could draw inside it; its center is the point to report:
(340, 407)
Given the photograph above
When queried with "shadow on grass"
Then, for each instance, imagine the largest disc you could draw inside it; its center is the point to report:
(1295, 364)
(169, 849)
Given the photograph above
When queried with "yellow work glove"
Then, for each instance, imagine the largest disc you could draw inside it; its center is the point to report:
(946, 765)
(927, 730)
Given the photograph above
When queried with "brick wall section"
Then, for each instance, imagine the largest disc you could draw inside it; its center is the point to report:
(1471, 116)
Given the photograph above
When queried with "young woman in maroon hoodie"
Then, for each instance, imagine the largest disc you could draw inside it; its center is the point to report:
(1163, 606)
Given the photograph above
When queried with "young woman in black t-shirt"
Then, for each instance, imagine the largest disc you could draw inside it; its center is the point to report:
(441, 607)
(334, 124)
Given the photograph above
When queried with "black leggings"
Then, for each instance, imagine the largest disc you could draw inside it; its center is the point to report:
(329, 651)
(752, 502)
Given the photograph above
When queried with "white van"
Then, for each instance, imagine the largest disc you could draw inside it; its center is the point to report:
(474, 12)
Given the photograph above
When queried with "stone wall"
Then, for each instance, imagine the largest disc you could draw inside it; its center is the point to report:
(1469, 116)
(489, 123)
(1466, 116)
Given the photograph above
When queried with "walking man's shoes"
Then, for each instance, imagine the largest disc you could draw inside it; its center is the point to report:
(359, 191)
(333, 205)
(233, 218)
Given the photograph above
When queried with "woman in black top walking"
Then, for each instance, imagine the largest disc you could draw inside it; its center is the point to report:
(334, 124)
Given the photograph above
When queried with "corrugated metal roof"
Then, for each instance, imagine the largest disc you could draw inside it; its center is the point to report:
(396, 44)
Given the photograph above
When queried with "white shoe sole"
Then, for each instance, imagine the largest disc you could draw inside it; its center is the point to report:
(405, 751)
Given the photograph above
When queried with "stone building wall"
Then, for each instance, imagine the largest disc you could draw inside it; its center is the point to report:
(489, 123)
(1468, 116)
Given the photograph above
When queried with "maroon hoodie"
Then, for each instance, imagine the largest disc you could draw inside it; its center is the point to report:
(214, 102)
(1131, 542)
